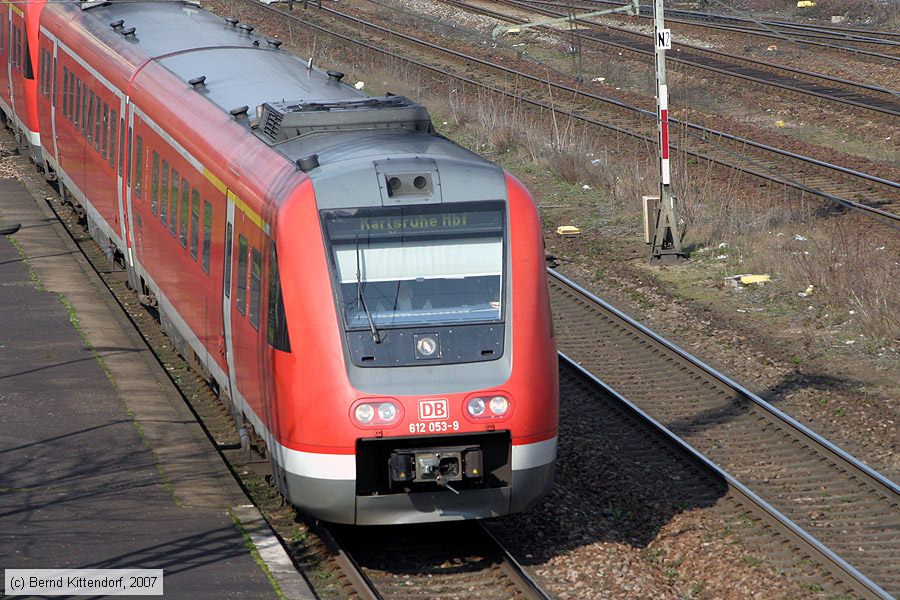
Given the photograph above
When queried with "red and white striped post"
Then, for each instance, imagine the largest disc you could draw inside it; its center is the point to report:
(665, 241)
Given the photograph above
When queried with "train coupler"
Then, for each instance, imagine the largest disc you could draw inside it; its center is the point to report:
(436, 465)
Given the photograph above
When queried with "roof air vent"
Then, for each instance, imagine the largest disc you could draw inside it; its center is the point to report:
(117, 25)
(231, 21)
(197, 82)
(274, 43)
(308, 163)
(246, 28)
(129, 32)
(335, 75)
(241, 114)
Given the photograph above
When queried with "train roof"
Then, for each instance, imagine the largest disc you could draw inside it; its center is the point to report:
(297, 110)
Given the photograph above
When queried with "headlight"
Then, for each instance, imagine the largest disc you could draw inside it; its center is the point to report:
(364, 413)
(376, 412)
(386, 411)
(499, 405)
(476, 407)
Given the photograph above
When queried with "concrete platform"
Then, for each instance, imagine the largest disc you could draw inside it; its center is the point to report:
(101, 463)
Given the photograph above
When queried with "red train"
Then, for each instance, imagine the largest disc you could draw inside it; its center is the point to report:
(369, 296)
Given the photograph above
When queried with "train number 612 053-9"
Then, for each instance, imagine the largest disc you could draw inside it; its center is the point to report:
(434, 427)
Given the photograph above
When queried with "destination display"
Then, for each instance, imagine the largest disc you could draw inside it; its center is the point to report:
(366, 223)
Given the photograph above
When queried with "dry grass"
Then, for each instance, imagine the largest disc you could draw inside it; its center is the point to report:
(854, 271)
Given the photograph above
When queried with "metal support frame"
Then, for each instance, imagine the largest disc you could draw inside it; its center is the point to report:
(665, 241)
(632, 9)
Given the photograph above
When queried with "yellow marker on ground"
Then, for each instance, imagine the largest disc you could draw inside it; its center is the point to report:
(568, 230)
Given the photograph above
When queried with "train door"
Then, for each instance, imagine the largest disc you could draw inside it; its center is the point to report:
(135, 155)
(9, 43)
(226, 296)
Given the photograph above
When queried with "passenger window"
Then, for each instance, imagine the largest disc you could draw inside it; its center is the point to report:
(195, 222)
(113, 119)
(138, 166)
(65, 106)
(105, 137)
(207, 235)
(98, 117)
(173, 207)
(185, 206)
(77, 102)
(154, 185)
(121, 145)
(227, 260)
(164, 194)
(88, 129)
(277, 324)
(71, 96)
(28, 72)
(241, 297)
(255, 281)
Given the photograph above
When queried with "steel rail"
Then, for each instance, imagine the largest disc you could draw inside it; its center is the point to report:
(856, 469)
(766, 28)
(857, 581)
(786, 74)
(697, 131)
(499, 569)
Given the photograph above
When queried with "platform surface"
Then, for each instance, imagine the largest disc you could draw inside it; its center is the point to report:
(100, 467)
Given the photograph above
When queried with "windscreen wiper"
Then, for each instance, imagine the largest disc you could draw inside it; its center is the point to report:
(361, 299)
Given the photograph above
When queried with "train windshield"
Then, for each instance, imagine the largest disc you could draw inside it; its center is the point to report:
(412, 265)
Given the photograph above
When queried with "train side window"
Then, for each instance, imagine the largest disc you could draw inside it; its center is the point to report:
(77, 102)
(42, 71)
(195, 222)
(48, 73)
(28, 71)
(128, 180)
(113, 119)
(164, 194)
(154, 184)
(183, 216)
(228, 260)
(71, 96)
(105, 137)
(255, 285)
(207, 235)
(65, 99)
(88, 122)
(241, 297)
(121, 149)
(277, 323)
(137, 184)
(98, 118)
(173, 207)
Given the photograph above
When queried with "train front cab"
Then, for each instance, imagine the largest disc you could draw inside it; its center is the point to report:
(427, 390)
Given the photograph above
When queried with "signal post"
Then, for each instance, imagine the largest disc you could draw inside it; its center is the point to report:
(661, 216)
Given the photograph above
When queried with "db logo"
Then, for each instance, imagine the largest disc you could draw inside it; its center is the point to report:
(433, 409)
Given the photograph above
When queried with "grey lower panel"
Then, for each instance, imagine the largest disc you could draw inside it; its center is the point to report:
(400, 509)
(530, 486)
(327, 499)
(336, 500)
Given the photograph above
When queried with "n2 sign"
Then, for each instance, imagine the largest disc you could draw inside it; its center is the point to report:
(664, 39)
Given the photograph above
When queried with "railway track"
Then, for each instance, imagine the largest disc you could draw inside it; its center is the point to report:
(447, 560)
(876, 197)
(858, 41)
(793, 81)
(845, 513)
